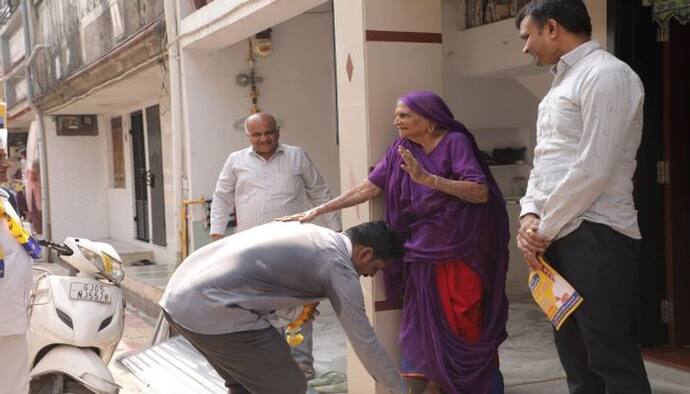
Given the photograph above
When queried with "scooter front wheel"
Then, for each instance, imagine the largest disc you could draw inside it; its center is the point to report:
(58, 384)
(73, 387)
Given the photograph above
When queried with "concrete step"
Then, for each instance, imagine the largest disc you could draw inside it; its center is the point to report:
(130, 252)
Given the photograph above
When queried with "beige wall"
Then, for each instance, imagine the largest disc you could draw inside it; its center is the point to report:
(597, 11)
(493, 88)
(352, 102)
(298, 88)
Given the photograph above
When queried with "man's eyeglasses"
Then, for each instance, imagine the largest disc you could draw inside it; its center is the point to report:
(259, 134)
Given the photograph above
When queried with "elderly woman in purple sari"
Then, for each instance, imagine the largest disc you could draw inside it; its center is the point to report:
(440, 193)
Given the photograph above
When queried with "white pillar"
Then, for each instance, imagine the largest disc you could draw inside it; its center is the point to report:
(384, 48)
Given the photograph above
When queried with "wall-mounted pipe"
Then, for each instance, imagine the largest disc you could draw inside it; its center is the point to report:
(184, 228)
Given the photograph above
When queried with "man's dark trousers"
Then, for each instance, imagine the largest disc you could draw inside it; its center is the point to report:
(596, 345)
(250, 362)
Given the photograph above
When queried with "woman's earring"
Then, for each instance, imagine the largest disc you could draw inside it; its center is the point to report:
(430, 129)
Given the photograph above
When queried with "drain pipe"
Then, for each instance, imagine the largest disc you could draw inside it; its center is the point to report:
(178, 126)
(42, 146)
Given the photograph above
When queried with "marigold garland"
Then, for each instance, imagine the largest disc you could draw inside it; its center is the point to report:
(293, 333)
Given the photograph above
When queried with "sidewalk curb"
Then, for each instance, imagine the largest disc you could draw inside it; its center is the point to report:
(142, 296)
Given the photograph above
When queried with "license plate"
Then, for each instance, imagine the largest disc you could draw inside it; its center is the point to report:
(90, 292)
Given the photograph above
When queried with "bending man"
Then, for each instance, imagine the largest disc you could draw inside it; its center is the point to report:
(227, 297)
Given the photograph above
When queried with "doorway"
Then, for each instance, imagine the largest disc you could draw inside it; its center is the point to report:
(662, 181)
(676, 126)
(149, 198)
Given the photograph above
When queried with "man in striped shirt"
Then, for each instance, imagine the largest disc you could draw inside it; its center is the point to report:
(265, 181)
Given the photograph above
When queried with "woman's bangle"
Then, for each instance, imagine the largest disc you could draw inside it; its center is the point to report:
(435, 180)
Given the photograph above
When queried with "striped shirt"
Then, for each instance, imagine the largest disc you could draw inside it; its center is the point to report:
(261, 190)
(588, 130)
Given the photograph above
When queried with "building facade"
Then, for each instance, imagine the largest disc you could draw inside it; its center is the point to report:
(345, 62)
(98, 101)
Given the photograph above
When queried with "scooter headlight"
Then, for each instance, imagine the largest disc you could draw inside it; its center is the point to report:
(93, 258)
(113, 268)
(107, 265)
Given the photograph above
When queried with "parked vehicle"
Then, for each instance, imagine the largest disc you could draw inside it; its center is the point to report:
(76, 320)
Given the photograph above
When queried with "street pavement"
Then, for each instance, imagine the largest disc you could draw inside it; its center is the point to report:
(529, 361)
(528, 357)
(136, 336)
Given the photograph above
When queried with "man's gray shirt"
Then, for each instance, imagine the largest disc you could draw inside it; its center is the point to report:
(244, 281)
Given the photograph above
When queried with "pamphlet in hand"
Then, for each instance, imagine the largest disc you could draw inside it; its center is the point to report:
(556, 297)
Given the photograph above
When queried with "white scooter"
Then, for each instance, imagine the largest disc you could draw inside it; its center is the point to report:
(76, 320)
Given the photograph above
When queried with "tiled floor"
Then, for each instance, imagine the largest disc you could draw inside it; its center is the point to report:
(137, 335)
(676, 356)
(329, 341)
(530, 364)
(529, 361)
(156, 274)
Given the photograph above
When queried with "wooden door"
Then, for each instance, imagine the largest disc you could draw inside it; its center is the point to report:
(634, 42)
(676, 128)
(155, 175)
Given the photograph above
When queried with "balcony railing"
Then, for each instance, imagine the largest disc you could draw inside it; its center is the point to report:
(7, 8)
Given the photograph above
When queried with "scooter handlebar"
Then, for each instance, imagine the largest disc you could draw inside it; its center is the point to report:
(62, 249)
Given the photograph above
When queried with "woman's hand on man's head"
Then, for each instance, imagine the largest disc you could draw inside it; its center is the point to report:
(302, 217)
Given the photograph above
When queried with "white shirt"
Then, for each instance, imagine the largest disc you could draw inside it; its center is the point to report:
(261, 190)
(588, 131)
(15, 285)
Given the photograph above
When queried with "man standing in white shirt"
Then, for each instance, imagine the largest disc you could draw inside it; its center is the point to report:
(578, 210)
(15, 284)
(265, 181)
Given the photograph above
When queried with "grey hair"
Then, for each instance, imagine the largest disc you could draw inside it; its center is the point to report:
(260, 115)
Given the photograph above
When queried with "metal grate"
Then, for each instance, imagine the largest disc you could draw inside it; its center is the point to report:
(142, 216)
(7, 8)
(173, 367)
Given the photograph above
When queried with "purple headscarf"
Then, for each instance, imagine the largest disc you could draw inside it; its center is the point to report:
(443, 228)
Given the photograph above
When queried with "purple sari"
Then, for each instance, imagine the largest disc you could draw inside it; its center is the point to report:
(442, 228)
